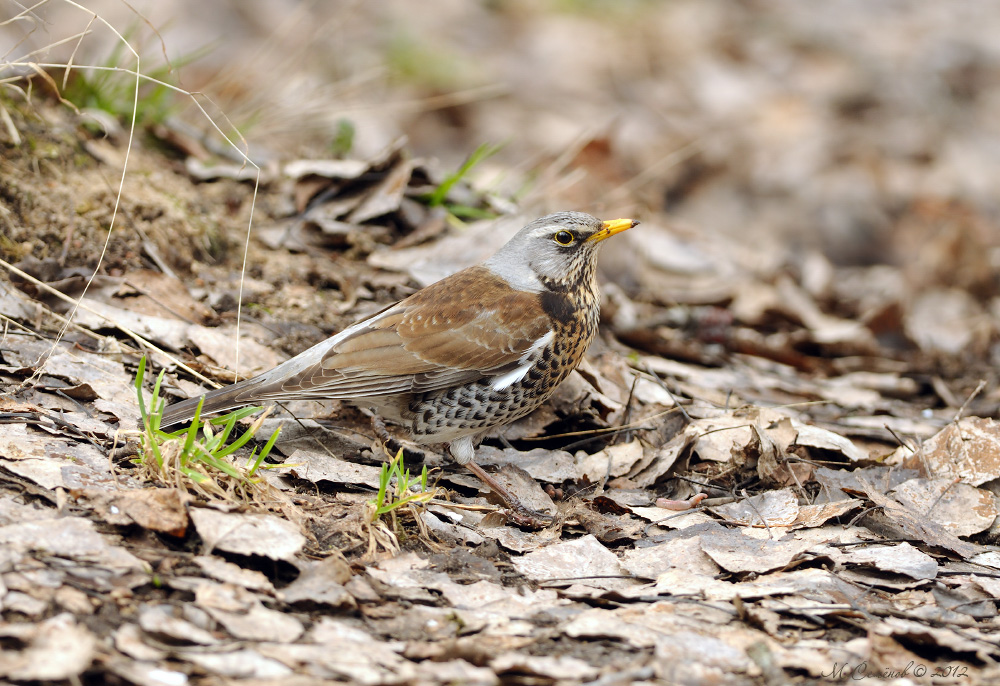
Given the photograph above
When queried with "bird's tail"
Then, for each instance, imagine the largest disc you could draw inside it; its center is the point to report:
(219, 400)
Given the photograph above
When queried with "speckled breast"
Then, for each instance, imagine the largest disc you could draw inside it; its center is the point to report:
(477, 407)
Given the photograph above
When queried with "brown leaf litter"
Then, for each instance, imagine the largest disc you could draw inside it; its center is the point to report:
(809, 367)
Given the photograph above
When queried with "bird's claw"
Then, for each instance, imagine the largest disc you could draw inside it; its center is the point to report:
(526, 518)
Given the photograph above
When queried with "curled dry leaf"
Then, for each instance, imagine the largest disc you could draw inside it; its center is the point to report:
(165, 624)
(771, 508)
(944, 320)
(518, 482)
(834, 482)
(322, 583)
(71, 538)
(544, 666)
(898, 559)
(128, 639)
(687, 657)
(960, 508)
(821, 513)
(219, 345)
(426, 264)
(238, 664)
(685, 554)
(902, 522)
(447, 525)
(968, 450)
(734, 551)
(950, 639)
(551, 466)
(55, 462)
(244, 616)
(615, 460)
(230, 573)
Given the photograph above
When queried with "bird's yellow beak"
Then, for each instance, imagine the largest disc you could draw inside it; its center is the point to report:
(611, 227)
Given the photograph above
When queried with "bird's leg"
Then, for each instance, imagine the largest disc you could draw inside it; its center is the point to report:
(463, 451)
(521, 513)
(388, 442)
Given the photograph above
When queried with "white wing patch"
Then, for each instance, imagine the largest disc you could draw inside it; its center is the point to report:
(527, 361)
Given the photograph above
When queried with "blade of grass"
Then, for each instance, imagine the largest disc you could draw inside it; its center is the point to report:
(264, 451)
(138, 387)
(484, 151)
(192, 432)
(155, 410)
(237, 414)
(235, 445)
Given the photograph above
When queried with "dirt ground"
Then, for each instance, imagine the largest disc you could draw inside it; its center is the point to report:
(779, 462)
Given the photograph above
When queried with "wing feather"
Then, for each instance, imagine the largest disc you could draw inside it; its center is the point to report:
(432, 340)
(466, 327)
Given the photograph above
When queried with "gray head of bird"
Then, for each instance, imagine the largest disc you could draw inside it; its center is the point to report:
(555, 252)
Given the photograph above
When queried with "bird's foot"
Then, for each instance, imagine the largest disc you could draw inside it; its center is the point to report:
(516, 511)
(528, 518)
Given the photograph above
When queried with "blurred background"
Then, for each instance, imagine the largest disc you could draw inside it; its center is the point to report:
(848, 147)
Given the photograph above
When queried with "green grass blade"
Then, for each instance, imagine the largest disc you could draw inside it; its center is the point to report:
(383, 486)
(264, 452)
(237, 414)
(192, 432)
(138, 387)
(213, 461)
(227, 429)
(156, 405)
(194, 475)
(236, 445)
(484, 151)
(466, 212)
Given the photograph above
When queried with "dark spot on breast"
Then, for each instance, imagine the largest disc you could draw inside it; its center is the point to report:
(558, 306)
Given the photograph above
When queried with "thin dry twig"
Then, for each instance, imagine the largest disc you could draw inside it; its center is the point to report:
(40, 68)
(143, 342)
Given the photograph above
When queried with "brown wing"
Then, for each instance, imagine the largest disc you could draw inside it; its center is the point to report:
(468, 326)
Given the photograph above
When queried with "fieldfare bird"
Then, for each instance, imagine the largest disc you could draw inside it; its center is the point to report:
(470, 353)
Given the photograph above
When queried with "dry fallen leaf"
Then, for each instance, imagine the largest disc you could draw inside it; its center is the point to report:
(583, 560)
(54, 650)
(960, 508)
(736, 552)
(902, 558)
(968, 450)
(315, 466)
(248, 534)
(910, 524)
(156, 509)
(70, 538)
(321, 583)
(770, 508)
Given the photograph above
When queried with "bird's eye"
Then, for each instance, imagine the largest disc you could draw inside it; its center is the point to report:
(564, 238)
